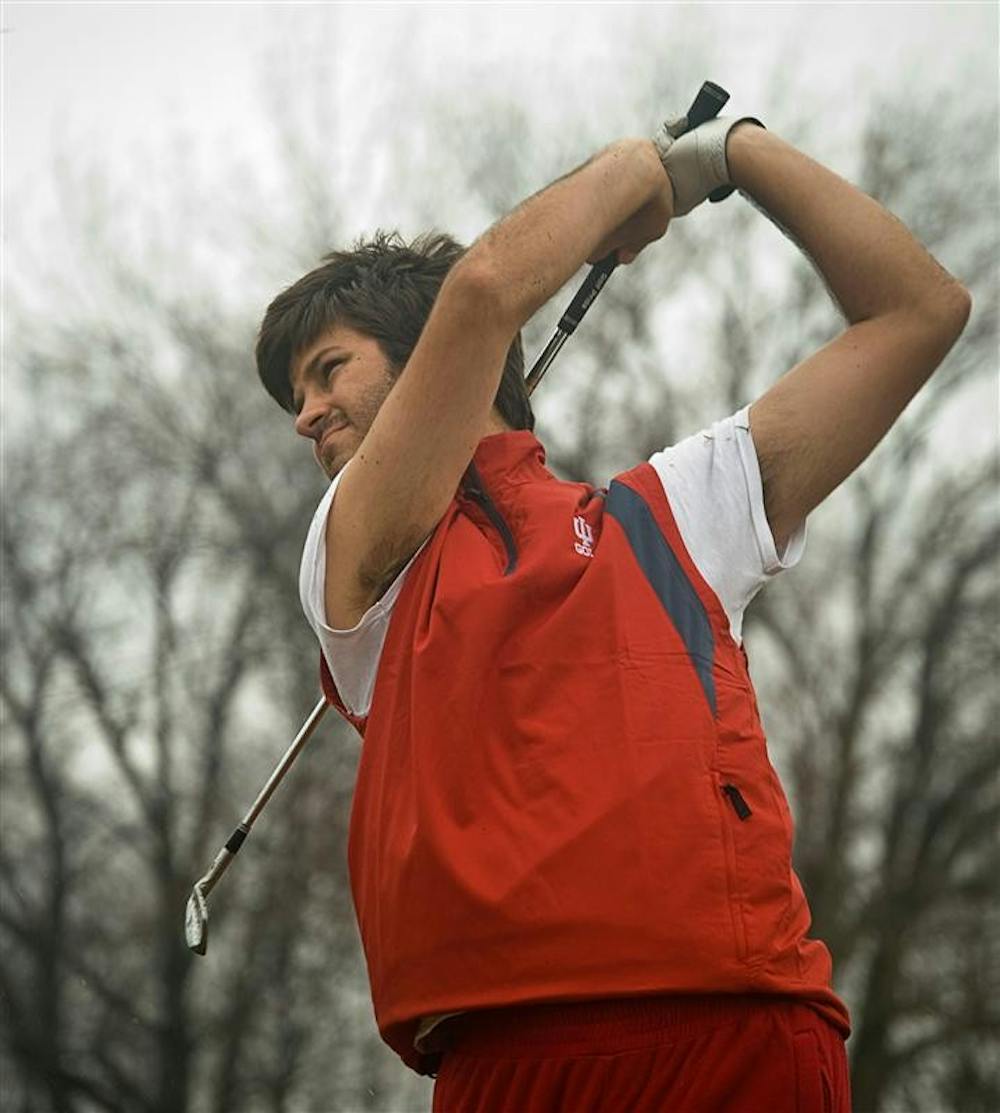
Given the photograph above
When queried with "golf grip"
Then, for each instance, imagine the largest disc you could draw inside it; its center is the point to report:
(705, 106)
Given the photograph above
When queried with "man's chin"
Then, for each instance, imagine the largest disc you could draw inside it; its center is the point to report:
(333, 463)
(332, 459)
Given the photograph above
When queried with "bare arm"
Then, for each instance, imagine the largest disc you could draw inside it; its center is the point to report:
(408, 467)
(824, 417)
(621, 198)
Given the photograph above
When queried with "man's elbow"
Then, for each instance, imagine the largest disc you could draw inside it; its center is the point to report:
(942, 322)
(951, 307)
(966, 307)
(475, 285)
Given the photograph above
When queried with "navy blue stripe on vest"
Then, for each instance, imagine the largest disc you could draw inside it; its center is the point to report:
(668, 579)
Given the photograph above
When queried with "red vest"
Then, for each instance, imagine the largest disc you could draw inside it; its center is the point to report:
(564, 791)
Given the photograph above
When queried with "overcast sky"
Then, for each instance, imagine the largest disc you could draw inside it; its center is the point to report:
(117, 73)
(115, 80)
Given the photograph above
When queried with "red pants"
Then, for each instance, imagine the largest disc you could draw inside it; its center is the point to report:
(645, 1055)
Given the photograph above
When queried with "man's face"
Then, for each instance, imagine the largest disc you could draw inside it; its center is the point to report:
(338, 385)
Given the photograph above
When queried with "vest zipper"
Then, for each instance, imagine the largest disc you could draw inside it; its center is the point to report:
(735, 797)
(473, 487)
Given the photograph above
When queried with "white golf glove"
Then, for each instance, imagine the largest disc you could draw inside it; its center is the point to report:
(695, 161)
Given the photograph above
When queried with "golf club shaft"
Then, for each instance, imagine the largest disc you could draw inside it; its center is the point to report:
(236, 839)
(542, 363)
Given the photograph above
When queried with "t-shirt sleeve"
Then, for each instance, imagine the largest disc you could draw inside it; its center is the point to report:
(352, 656)
(712, 482)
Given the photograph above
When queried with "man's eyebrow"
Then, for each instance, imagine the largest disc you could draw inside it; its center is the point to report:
(311, 369)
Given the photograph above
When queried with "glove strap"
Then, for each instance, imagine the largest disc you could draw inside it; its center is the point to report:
(722, 192)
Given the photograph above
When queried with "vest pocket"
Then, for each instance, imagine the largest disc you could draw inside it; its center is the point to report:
(727, 814)
(735, 797)
(761, 883)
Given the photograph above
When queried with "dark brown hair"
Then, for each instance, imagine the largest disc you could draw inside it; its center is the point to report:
(384, 288)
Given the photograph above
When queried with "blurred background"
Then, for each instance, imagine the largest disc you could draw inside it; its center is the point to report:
(167, 170)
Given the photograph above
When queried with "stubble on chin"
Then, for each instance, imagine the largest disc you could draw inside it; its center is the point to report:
(368, 405)
(331, 464)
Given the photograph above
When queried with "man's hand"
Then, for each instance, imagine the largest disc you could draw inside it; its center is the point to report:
(696, 161)
(644, 227)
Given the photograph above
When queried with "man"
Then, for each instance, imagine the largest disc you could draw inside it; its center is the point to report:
(570, 857)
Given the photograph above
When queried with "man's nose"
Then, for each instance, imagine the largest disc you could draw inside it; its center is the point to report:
(310, 419)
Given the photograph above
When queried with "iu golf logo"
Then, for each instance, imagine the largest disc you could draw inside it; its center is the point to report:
(585, 546)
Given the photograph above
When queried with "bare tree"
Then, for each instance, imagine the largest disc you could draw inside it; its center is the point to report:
(150, 548)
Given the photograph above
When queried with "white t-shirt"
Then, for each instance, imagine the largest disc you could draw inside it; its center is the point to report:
(712, 482)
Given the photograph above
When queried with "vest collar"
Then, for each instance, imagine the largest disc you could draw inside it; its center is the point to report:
(510, 458)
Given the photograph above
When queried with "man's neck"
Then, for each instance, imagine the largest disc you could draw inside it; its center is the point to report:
(496, 424)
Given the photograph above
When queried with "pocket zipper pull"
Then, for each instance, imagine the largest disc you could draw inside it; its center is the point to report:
(740, 806)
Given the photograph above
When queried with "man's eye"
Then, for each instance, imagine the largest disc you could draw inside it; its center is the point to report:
(329, 368)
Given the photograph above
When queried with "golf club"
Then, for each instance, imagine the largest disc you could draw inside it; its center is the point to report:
(706, 105)
(196, 914)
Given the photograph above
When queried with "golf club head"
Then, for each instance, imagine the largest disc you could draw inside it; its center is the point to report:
(196, 921)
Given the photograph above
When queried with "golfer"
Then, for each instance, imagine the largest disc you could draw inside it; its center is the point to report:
(570, 856)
